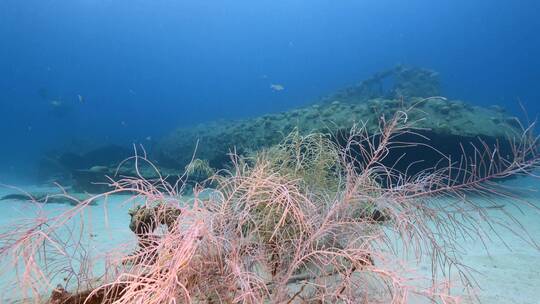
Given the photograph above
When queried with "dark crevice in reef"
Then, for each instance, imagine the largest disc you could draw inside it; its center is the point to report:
(431, 150)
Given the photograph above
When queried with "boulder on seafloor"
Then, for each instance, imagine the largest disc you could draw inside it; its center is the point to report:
(99, 179)
(59, 166)
(94, 170)
(446, 123)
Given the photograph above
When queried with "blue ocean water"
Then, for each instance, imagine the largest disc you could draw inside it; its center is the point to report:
(81, 72)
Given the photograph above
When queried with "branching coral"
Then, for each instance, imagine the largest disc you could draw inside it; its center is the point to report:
(314, 159)
(199, 170)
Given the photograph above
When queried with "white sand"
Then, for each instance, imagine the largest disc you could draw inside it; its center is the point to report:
(509, 270)
(505, 275)
(511, 275)
(106, 227)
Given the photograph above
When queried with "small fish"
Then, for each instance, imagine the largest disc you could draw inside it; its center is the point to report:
(148, 138)
(55, 103)
(277, 87)
(81, 99)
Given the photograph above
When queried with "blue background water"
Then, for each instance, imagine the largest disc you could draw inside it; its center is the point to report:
(145, 67)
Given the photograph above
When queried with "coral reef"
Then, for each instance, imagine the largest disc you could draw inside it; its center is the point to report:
(396, 83)
(97, 178)
(445, 122)
(304, 221)
(79, 168)
(198, 171)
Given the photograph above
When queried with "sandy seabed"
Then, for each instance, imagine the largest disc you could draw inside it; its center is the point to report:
(508, 272)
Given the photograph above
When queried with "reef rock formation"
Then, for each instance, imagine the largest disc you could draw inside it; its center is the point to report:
(446, 123)
(396, 83)
(60, 166)
(97, 179)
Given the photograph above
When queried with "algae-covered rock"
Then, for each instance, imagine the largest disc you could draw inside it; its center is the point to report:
(217, 139)
(59, 166)
(396, 83)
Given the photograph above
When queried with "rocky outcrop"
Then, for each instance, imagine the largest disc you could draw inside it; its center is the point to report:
(445, 122)
(98, 179)
(60, 166)
(396, 83)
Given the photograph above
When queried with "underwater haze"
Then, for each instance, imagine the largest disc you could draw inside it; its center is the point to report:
(83, 73)
(269, 151)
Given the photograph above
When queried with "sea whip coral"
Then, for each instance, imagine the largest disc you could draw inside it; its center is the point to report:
(272, 231)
